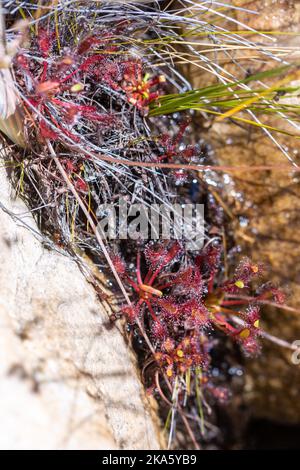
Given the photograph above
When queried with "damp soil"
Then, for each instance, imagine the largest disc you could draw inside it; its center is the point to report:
(260, 215)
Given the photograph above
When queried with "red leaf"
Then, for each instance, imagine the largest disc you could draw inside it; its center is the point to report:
(44, 41)
(48, 86)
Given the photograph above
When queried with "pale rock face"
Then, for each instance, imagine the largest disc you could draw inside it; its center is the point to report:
(67, 377)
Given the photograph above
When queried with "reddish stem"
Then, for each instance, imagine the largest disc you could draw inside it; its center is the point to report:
(68, 76)
(224, 325)
(148, 276)
(154, 275)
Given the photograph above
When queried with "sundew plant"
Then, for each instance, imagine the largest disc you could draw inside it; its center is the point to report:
(99, 105)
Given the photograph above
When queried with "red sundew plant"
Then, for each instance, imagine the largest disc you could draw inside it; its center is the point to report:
(85, 95)
(183, 302)
(171, 150)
